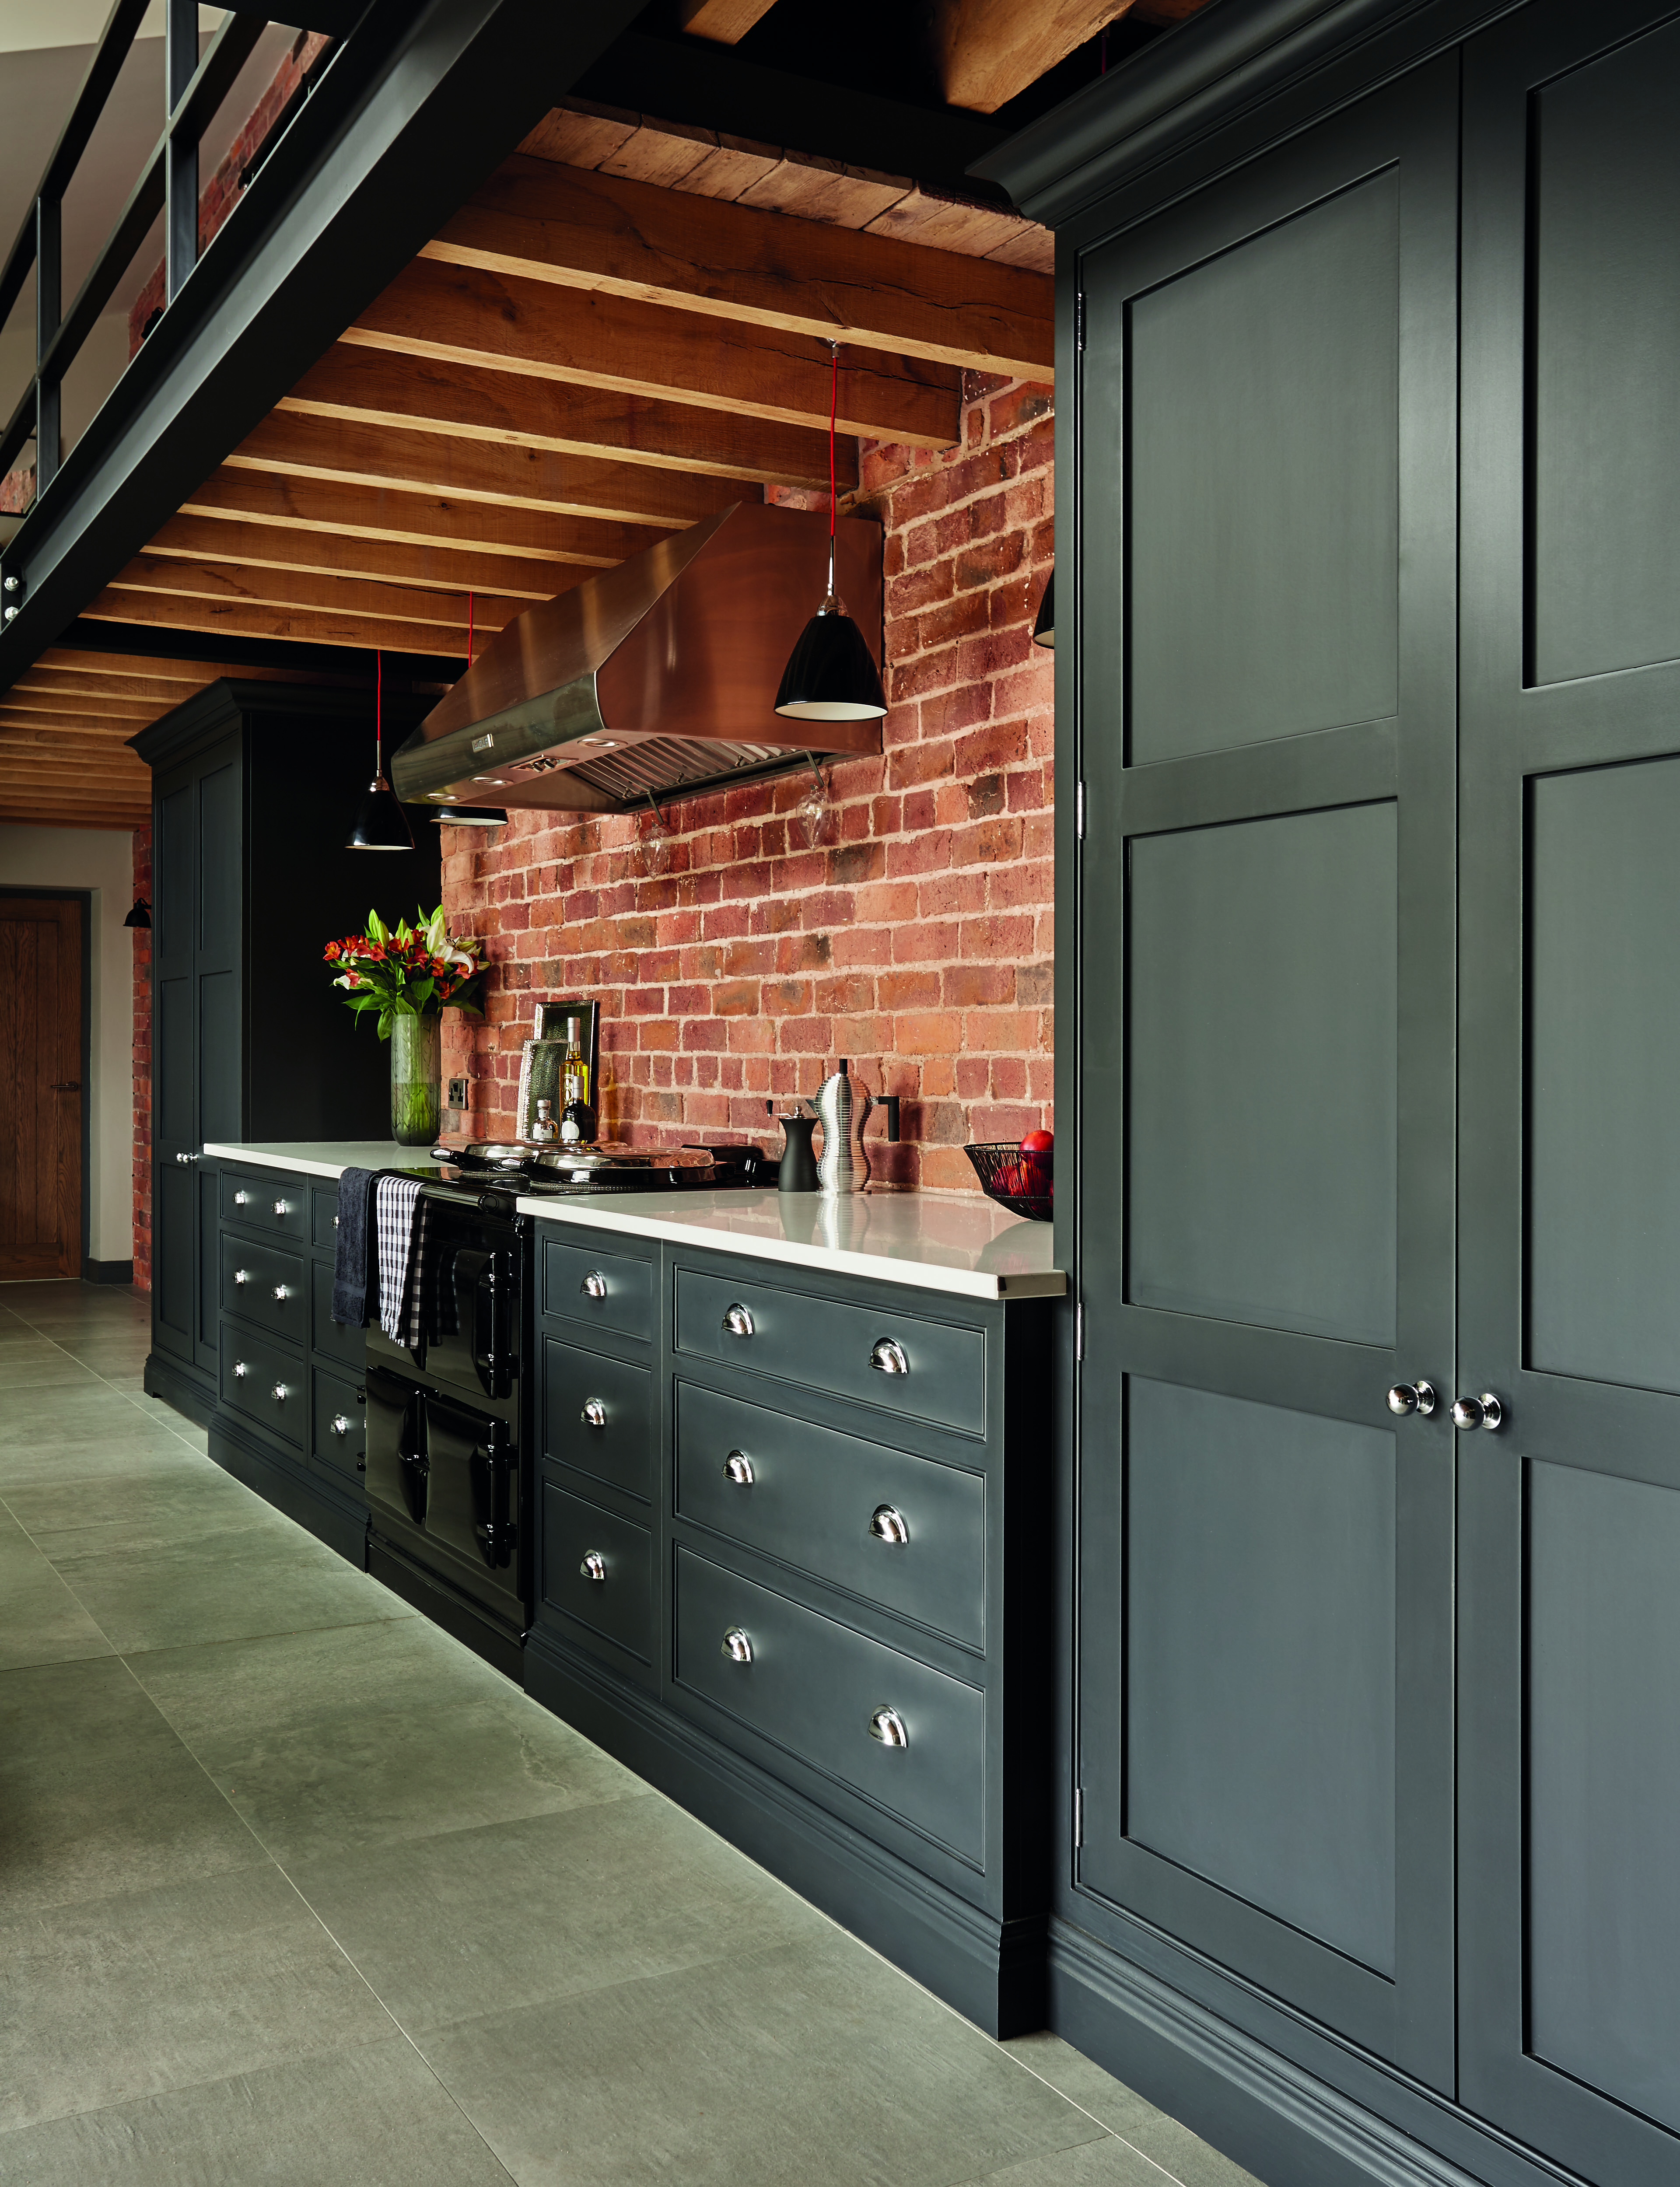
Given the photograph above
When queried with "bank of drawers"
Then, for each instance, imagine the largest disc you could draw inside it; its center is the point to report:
(265, 1287)
(267, 1382)
(269, 1202)
(601, 1290)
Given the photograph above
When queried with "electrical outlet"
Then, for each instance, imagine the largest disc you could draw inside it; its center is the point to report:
(458, 1094)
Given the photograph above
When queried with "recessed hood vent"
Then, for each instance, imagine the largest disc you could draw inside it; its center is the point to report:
(658, 677)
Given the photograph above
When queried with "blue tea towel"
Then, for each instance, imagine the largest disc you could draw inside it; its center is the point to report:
(350, 1268)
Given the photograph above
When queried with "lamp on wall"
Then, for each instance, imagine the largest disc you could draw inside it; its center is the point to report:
(830, 674)
(141, 916)
(1044, 630)
(381, 824)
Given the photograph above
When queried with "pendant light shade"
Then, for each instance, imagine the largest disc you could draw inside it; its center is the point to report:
(141, 916)
(831, 675)
(381, 824)
(1044, 630)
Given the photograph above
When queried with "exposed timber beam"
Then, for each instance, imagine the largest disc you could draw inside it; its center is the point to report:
(72, 685)
(582, 229)
(384, 513)
(235, 583)
(727, 21)
(301, 626)
(24, 699)
(987, 51)
(369, 388)
(329, 449)
(464, 316)
(329, 554)
(97, 727)
(191, 675)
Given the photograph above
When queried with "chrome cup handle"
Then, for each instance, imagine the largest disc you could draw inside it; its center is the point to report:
(738, 1468)
(594, 1414)
(887, 1725)
(594, 1565)
(594, 1284)
(737, 1321)
(886, 1356)
(737, 1646)
(886, 1524)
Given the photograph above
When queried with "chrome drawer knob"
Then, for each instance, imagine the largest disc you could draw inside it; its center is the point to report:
(886, 1524)
(281, 1293)
(738, 1468)
(594, 1565)
(242, 1199)
(887, 1725)
(241, 1370)
(335, 1223)
(886, 1356)
(594, 1414)
(1483, 1412)
(242, 1275)
(283, 1207)
(594, 1284)
(340, 1424)
(1412, 1398)
(280, 1393)
(737, 1646)
(737, 1321)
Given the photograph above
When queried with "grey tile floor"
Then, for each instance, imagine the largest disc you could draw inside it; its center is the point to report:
(294, 1890)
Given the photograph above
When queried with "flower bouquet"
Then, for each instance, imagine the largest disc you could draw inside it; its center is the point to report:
(407, 976)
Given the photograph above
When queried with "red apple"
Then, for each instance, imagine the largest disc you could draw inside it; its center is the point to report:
(1038, 1143)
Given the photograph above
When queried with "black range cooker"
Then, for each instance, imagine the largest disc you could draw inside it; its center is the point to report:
(452, 1419)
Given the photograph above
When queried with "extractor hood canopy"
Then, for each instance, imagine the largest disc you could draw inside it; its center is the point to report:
(657, 678)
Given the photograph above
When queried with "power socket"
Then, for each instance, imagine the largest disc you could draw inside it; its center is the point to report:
(458, 1094)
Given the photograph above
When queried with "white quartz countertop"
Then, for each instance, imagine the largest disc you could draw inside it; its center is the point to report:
(961, 1243)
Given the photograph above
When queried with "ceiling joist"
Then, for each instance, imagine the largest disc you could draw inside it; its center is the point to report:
(331, 555)
(234, 584)
(301, 626)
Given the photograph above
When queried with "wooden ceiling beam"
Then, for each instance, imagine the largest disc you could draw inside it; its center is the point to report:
(26, 743)
(119, 821)
(301, 626)
(987, 51)
(72, 684)
(191, 675)
(455, 314)
(319, 505)
(27, 697)
(15, 719)
(368, 387)
(349, 454)
(726, 21)
(580, 228)
(49, 783)
(234, 583)
(326, 554)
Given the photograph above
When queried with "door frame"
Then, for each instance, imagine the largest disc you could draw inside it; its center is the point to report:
(85, 898)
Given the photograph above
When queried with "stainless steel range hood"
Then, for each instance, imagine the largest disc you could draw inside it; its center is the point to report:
(659, 676)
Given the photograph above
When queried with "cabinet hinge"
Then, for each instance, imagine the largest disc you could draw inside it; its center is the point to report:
(1078, 1817)
(1079, 1332)
(1079, 319)
(1079, 810)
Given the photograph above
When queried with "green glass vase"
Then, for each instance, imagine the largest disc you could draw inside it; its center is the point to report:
(415, 1078)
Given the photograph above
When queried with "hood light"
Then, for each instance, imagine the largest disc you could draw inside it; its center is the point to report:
(830, 674)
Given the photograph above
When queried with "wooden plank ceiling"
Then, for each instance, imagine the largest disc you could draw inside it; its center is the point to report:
(627, 327)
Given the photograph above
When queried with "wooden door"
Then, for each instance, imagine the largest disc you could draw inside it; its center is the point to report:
(1266, 632)
(1569, 1233)
(41, 1091)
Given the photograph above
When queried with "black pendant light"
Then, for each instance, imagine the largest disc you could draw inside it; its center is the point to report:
(831, 675)
(141, 916)
(1044, 630)
(381, 824)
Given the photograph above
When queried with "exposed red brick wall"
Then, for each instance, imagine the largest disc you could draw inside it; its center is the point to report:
(914, 938)
(142, 1070)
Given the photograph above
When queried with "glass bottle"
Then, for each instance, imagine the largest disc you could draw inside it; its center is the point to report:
(577, 1116)
(543, 1128)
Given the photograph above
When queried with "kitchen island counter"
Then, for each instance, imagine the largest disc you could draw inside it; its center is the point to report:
(321, 1157)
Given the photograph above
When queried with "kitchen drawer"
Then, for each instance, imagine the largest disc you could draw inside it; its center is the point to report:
(619, 1604)
(338, 1412)
(267, 1200)
(828, 1344)
(620, 1449)
(264, 1285)
(812, 1687)
(324, 1201)
(812, 1495)
(266, 1382)
(603, 1289)
(329, 1337)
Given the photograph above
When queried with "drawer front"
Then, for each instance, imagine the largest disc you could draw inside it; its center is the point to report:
(266, 1382)
(812, 1685)
(264, 1285)
(337, 1414)
(619, 1449)
(826, 1344)
(836, 1506)
(619, 1604)
(327, 1336)
(603, 1289)
(266, 1199)
(324, 1201)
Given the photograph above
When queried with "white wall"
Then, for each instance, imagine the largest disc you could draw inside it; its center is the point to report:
(101, 859)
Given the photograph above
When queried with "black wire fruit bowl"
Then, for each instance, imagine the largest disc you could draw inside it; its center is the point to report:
(1025, 1183)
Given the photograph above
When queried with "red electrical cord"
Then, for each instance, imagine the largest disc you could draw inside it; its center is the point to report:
(378, 713)
(470, 630)
(833, 412)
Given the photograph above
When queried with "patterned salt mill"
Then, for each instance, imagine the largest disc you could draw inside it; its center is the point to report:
(843, 1104)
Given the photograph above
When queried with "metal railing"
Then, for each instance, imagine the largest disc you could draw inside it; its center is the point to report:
(193, 90)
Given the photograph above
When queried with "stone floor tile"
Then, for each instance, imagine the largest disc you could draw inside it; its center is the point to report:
(1083, 2081)
(123, 1446)
(449, 1928)
(79, 1412)
(1187, 2157)
(807, 2062)
(98, 1795)
(128, 1996)
(372, 2116)
(176, 1498)
(1105, 2163)
(41, 1620)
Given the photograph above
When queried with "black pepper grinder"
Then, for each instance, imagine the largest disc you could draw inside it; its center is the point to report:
(797, 1172)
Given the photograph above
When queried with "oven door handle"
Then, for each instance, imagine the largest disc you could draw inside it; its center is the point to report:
(499, 1537)
(495, 1304)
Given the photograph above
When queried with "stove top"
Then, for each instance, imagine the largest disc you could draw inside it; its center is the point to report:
(546, 1170)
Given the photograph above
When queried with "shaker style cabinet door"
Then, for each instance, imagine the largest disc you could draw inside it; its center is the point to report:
(1266, 634)
(1570, 1036)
